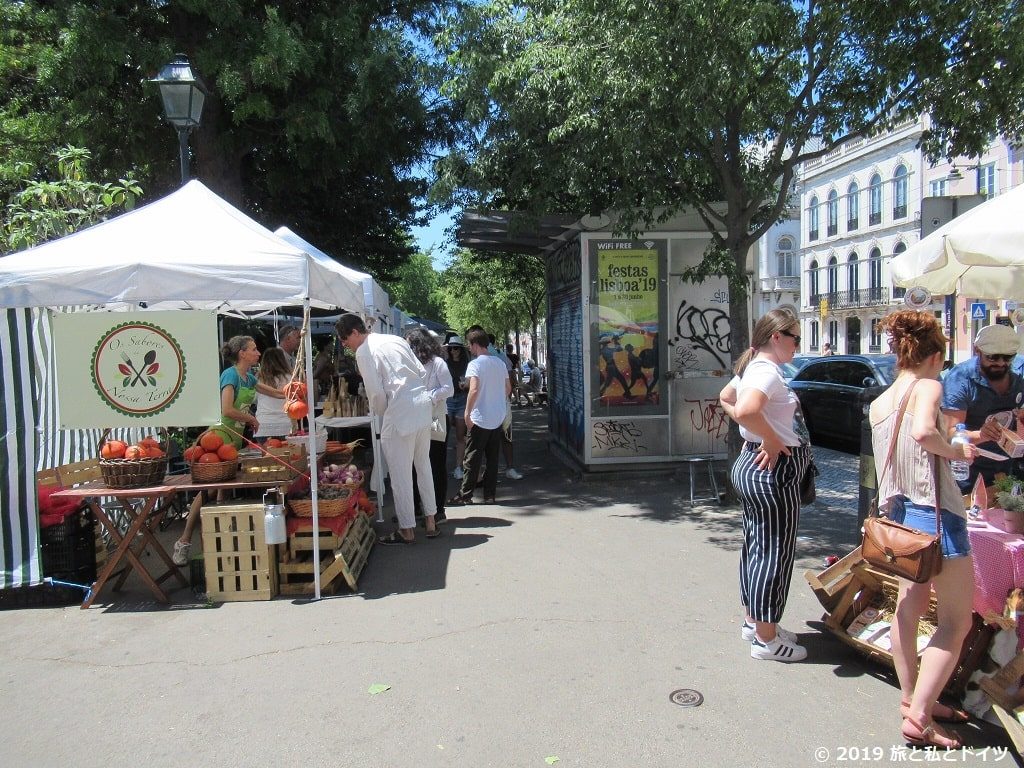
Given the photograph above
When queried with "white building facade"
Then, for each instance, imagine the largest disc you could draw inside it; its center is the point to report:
(859, 206)
(778, 269)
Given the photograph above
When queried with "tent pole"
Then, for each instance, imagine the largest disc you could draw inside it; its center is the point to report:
(307, 337)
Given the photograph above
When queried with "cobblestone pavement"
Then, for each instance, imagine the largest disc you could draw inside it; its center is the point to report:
(829, 526)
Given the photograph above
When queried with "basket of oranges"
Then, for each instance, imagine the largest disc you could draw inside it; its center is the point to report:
(132, 466)
(211, 459)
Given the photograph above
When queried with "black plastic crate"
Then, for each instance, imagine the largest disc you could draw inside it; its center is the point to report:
(42, 595)
(69, 549)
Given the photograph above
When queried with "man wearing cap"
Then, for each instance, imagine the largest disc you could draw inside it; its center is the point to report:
(984, 393)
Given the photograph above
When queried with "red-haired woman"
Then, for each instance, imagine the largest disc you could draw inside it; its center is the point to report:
(907, 494)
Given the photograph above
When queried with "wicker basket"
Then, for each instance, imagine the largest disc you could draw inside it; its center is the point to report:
(342, 457)
(214, 471)
(328, 507)
(131, 473)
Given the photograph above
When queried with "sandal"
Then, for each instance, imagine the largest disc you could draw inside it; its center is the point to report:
(459, 501)
(928, 736)
(434, 533)
(395, 538)
(941, 713)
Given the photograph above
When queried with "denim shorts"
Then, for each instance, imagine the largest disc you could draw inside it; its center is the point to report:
(456, 405)
(955, 541)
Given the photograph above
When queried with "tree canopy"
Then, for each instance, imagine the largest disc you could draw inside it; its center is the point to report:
(318, 113)
(650, 108)
(415, 288)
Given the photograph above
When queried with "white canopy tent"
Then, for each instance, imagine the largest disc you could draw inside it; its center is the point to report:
(189, 250)
(375, 298)
(978, 254)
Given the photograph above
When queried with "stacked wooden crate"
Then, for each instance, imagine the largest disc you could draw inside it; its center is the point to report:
(240, 565)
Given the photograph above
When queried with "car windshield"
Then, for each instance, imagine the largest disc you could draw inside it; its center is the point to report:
(887, 369)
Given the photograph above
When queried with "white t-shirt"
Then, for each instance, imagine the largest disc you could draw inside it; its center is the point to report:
(491, 373)
(782, 406)
(274, 422)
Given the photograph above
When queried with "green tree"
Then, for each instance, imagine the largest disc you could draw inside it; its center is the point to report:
(318, 111)
(416, 288)
(46, 209)
(504, 294)
(710, 105)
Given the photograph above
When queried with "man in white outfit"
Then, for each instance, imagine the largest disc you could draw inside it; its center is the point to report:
(395, 384)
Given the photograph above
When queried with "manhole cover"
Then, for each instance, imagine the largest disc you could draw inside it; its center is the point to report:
(686, 697)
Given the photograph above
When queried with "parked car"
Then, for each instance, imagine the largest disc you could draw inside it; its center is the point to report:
(789, 370)
(835, 391)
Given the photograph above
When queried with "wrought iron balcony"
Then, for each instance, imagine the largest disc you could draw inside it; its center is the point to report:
(874, 218)
(833, 230)
(863, 297)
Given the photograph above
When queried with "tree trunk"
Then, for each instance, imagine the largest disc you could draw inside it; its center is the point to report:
(739, 340)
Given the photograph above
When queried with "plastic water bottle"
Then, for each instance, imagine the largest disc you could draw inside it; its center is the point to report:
(961, 469)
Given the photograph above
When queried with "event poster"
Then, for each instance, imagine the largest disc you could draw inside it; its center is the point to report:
(626, 316)
(128, 369)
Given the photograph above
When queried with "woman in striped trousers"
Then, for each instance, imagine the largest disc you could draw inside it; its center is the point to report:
(775, 455)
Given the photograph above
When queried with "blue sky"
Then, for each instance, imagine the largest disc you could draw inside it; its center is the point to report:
(432, 236)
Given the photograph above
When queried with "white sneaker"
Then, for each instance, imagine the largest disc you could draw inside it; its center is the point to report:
(513, 474)
(777, 650)
(458, 474)
(181, 553)
(747, 633)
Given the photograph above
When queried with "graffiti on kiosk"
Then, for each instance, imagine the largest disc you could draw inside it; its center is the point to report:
(618, 435)
(684, 358)
(708, 416)
(702, 329)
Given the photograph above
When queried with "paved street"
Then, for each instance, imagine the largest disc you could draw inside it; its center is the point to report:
(554, 624)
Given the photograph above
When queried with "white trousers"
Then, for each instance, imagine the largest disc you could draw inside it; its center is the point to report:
(403, 452)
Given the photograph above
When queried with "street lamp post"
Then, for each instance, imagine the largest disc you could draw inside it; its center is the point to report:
(183, 95)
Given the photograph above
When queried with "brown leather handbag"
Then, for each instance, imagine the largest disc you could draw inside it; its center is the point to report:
(894, 548)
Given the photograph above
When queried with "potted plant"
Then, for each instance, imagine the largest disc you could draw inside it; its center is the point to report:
(1013, 511)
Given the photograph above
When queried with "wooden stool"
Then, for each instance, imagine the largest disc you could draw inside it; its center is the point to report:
(695, 461)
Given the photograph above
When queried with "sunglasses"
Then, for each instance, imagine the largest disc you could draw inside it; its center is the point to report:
(999, 358)
(793, 336)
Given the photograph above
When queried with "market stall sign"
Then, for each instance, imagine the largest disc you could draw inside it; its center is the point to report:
(131, 369)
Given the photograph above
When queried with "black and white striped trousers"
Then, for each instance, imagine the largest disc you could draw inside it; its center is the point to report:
(771, 514)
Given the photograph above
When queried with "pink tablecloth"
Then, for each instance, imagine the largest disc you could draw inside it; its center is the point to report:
(998, 567)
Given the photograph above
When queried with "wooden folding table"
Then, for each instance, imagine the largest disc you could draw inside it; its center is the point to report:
(139, 505)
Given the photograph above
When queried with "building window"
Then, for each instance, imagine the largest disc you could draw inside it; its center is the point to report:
(833, 335)
(937, 187)
(898, 292)
(852, 207)
(814, 335)
(987, 180)
(875, 275)
(813, 293)
(785, 258)
(812, 216)
(853, 275)
(899, 192)
(833, 278)
(875, 201)
(876, 335)
(832, 209)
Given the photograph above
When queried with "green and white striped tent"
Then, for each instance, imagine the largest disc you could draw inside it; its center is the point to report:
(189, 250)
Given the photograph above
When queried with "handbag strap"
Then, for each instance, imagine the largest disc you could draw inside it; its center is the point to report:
(895, 435)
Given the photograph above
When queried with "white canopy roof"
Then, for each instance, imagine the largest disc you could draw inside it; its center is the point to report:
(190, 249)
(375, 298)
(978, 254)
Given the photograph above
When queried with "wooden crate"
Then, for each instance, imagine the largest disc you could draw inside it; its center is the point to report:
(265, 469)
(849, 586)
(239, 564)
(344, 561)
(1002, 690)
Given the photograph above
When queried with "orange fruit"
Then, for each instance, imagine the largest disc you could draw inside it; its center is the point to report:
(295, 390)
(155, 452)
(210, 441)
(273, 442)
(296, 409)
(227, 452)
(113, 449)
(149, 442)
(133, 453)
(209, 458)
(193, 453)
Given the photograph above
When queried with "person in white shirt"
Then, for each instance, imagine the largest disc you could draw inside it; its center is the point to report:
(767, 475)
(274, 373)
(489, 388)
(439, 385)
(396, 387)
(288, 341)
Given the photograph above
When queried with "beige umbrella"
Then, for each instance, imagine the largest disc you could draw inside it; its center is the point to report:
(978, 254)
